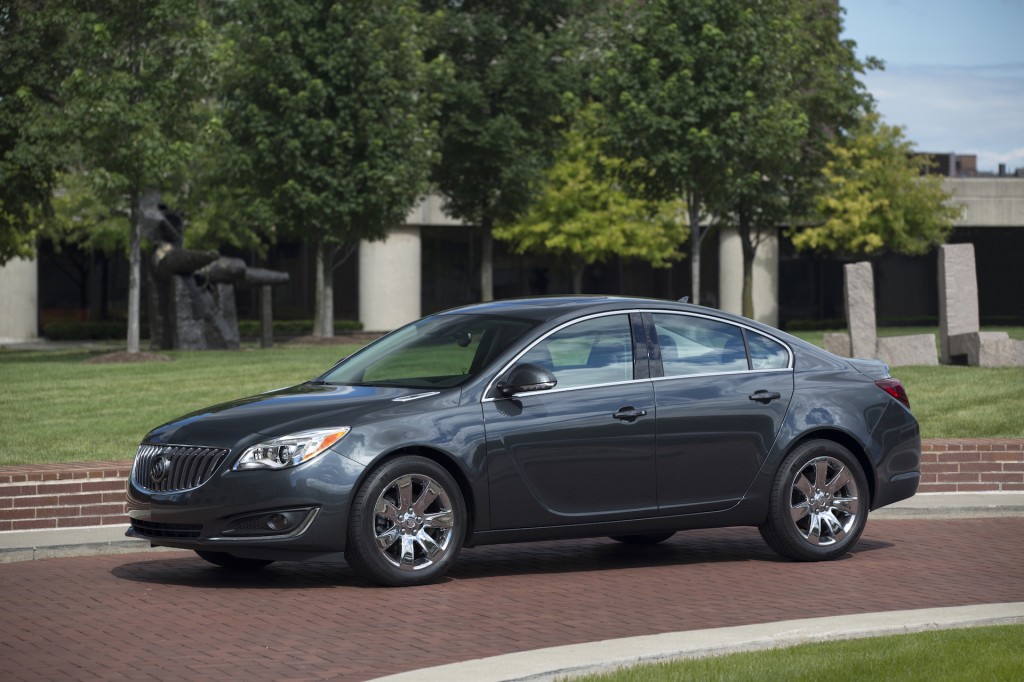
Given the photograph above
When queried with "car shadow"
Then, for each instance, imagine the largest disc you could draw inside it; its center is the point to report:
(535, 558)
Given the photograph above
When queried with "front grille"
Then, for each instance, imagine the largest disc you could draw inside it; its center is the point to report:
(170, 468)
(150, 529)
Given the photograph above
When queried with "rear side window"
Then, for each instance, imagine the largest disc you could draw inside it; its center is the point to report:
(696, 345)
(765, 353)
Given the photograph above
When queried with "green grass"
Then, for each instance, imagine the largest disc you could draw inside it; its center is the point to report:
(55, 408)
(985, 653)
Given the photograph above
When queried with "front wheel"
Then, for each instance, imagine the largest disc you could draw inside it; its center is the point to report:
(407, 523)
(818, 504)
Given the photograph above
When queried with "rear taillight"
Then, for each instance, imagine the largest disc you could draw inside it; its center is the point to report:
(894, 388)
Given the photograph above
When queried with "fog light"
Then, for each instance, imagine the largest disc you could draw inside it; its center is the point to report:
(277, 522)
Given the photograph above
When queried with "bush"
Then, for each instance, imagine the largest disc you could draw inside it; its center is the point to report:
(295, 327)
(99, 331)
(89, 331)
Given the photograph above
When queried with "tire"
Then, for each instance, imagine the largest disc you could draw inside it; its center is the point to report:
(643, 539)
(230, 561)
(818, 504)
(407, 523)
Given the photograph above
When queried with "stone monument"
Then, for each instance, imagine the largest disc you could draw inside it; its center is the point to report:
(960, 336)
(863, 340)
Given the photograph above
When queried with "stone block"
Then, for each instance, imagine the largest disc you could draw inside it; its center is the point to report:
(958, 294)
(838, 343)
(859, 286)
(912, 349)
(986, 349)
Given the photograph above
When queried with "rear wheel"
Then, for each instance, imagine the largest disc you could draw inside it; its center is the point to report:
(818, 504)
(644, 538)
(231, 561)
(407, 523)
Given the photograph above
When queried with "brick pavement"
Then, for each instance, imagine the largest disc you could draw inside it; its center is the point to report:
(171, 616)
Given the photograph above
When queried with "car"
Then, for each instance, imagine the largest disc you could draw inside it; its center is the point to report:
(536, 419)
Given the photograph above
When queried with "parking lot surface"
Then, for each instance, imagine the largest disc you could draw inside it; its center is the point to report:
(170, 615)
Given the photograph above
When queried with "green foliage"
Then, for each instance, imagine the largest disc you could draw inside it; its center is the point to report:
(31, 34)
(497, 130)
(82, 219)
(328, 109)
(876, 198)
(582, 211)
(95, 331)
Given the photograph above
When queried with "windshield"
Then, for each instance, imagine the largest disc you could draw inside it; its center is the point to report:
(435, 352)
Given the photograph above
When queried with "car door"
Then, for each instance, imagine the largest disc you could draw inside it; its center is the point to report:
(721, 397)
(582, 451)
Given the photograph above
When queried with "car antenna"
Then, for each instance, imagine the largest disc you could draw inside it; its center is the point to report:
(684, 299)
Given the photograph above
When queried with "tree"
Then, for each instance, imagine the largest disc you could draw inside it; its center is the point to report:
(582, 211)
(498, 126)
(114, 92)
(329, 109)
(878, 197)
(32, 34)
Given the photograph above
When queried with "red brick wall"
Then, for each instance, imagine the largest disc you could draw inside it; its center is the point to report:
(968, 466)
(63, 495)
(92, 493)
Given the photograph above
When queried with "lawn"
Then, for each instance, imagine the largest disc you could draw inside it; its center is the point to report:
(57, 408)
(985, 653)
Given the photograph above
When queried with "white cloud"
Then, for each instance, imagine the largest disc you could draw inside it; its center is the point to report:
(967, 110)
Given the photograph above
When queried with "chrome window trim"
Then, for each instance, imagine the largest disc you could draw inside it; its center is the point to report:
(722, 374)
(653, 311)
(511, 363)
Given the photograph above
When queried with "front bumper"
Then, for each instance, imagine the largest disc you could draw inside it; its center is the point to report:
(295, 513)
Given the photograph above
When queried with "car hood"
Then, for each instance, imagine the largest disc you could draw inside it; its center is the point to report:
(288, 410)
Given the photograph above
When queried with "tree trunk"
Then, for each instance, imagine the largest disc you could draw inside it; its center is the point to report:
(323, 320)
(697, 233)
(134, 274)
(749, 246)
(578, 266)
(487, 262)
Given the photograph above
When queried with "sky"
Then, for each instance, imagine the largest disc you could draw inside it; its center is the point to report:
(954, 74)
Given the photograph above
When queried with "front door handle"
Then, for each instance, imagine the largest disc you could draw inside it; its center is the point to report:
(629, 414)
(764, 397)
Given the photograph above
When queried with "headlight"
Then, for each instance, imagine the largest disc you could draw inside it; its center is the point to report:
(290, 450)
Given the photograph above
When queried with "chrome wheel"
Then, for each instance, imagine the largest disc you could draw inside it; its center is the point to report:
(413, 522)
(407, 523)
(824, 501)
(818, 503)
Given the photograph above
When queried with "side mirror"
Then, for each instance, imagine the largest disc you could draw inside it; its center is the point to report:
(526, 377)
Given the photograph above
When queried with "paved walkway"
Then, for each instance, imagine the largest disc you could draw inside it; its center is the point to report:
(168, 615)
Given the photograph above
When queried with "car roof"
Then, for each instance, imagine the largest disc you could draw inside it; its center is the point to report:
(550, 307)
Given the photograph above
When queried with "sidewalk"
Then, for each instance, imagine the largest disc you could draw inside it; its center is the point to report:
(26, 545)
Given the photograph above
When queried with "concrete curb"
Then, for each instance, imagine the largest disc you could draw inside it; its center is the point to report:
(542, 665)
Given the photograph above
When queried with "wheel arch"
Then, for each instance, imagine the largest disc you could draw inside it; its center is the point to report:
(442, 459)
(847, 441)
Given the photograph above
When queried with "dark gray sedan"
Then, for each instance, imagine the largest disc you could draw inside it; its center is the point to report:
(536, 419)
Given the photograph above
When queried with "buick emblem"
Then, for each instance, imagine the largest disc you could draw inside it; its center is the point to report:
(161, 467)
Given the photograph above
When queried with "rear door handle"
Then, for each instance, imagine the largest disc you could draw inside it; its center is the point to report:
(764, 397)
(629, 414)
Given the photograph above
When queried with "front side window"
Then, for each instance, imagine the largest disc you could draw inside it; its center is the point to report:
(696, 345)
(595, 351)
(435, 352)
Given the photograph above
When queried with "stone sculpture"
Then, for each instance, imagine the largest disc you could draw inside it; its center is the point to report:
(192, 292)
(863, 341)
(960, 336)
